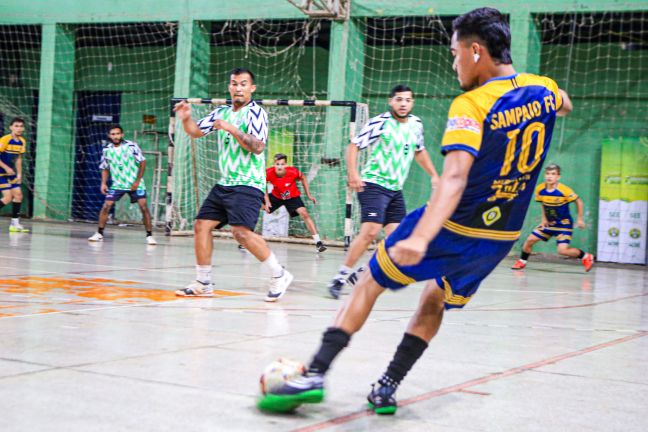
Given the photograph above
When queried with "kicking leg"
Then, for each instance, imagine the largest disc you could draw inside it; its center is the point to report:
(350, 318)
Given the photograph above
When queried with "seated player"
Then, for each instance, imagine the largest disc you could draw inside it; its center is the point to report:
(285, 193)
(124, 162)
(556, 219)
(12, 147)
(496, 138)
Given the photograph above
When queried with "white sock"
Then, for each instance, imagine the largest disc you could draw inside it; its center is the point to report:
(15, 221)
(523, 261)
(203, 274)
(344, 271)
(273, 265)
(316, 237)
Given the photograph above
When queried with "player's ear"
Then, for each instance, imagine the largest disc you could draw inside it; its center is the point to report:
(252, 88)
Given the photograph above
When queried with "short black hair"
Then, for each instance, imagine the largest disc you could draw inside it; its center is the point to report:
(490, 27)
(242, 70)
(280, 156)
(399, 89)
(553, 167)
(115, 126)
(17, 120)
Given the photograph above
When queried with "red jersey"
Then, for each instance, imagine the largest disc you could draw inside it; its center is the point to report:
(284, 187)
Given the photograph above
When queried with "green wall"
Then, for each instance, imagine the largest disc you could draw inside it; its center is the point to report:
(607, 84)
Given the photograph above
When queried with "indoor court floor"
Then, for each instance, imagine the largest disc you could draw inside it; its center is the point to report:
(92, 338)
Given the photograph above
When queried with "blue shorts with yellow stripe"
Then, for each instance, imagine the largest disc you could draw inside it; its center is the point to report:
(562, 232)
(8, 182)
(457, 263)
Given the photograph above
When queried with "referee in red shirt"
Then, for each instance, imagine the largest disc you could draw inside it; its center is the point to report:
(285, 193)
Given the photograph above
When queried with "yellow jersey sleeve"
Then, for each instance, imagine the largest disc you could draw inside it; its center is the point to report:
(538, 189)
(464, 129)
(24, 146)
(568, 193)
(4, 142)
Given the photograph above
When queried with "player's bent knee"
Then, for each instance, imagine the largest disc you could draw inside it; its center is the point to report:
(241, 235)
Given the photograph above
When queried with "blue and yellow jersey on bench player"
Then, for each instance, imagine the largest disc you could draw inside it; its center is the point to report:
(10, 149)
(555, 205)
(506, 124)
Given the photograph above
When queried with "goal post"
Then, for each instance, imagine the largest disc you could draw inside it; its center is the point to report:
(182, 201)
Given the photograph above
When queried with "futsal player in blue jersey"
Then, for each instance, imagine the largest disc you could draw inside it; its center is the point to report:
(556, 219)
(496, 138)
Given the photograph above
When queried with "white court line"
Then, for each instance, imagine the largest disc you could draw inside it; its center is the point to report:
(75, 311)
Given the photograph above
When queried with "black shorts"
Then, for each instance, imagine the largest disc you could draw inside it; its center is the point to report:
(292, 204)
(116, 194)
(381, 205)
(234, 205)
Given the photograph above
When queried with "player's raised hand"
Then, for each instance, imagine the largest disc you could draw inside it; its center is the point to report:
(409, 251)
(183, 110)
(356, 183)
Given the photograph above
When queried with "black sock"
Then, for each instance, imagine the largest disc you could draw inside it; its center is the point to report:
(334, 340)
(407, 353)
(149, 233)
(581, 254)
(100, 230)
(524, 256)
(15, 210)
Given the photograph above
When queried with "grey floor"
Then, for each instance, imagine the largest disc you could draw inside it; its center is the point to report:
(92, 338)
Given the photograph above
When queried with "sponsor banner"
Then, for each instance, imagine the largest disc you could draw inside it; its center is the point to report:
(623, 205)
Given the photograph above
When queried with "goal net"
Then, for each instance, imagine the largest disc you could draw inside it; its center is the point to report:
(298, 129)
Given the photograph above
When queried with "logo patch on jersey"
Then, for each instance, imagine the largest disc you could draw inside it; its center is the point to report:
(491, 216)
(463, 123)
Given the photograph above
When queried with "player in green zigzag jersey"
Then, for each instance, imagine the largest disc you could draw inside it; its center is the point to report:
(395, 139)
(124, 163)
(236, 199)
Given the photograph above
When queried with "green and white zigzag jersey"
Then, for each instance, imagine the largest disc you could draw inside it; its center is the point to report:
(239, 167)
(393, 145)
(123, 161)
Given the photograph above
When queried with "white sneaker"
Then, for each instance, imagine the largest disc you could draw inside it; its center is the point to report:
(278, 286)
(150, 240)
(16, 227)
(196, 289)
(96, 237)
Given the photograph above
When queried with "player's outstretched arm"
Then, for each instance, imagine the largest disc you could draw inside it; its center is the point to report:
(567, 106)
(442, 205)
(351, 156)
(423, 159)
(183, 112)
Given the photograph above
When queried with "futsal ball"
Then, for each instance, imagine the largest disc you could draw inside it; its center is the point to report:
(278, 372)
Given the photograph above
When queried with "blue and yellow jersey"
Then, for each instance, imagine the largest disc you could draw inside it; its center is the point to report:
(555, 203)
(506, 124)
(10, 149)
